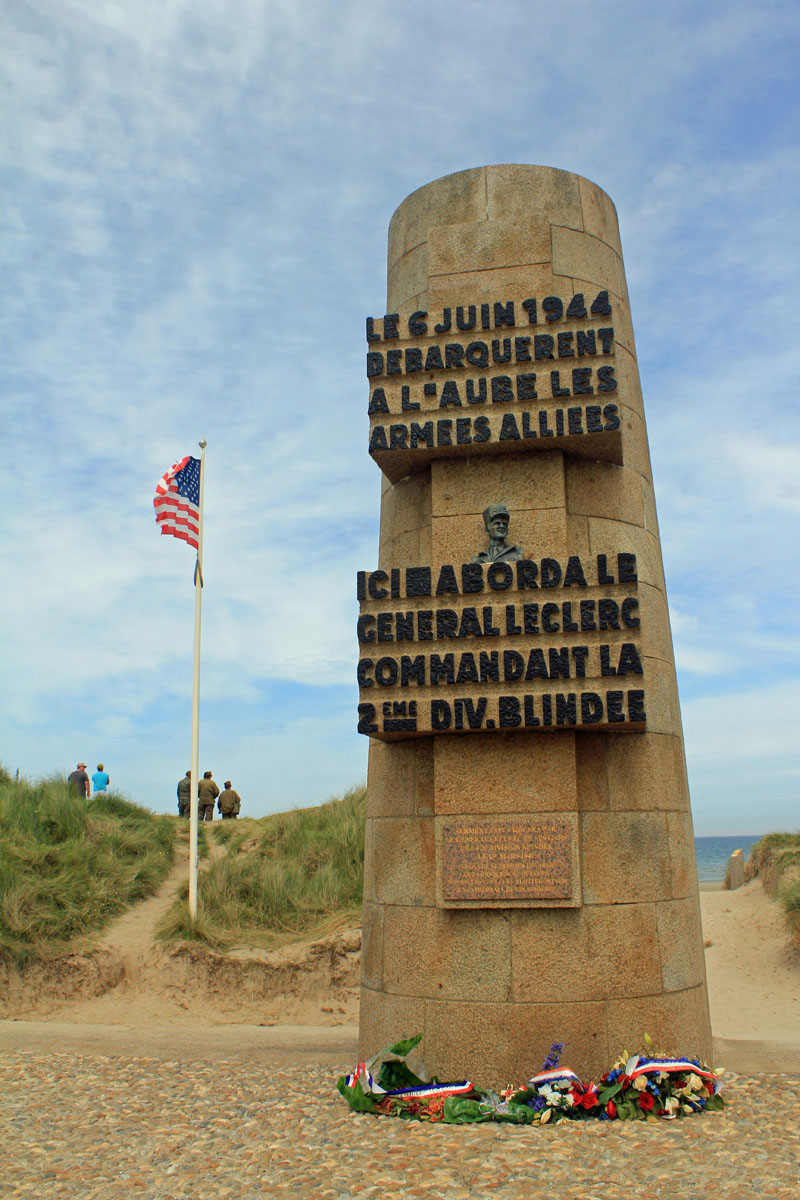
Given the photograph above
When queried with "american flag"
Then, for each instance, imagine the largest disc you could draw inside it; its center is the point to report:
(177, 500)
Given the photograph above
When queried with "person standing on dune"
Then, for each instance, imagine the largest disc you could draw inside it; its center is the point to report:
(100, 781)
(207, 792)
(229, 803)
(79, 780)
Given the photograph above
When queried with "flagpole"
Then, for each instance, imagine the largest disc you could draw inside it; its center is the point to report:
(195, 774)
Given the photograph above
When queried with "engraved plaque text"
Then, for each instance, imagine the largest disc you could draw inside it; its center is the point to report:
(507, 860)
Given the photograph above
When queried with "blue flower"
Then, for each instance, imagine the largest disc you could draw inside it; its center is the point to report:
(552, 1060)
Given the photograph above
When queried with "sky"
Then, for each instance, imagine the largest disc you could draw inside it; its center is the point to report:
(198, 199)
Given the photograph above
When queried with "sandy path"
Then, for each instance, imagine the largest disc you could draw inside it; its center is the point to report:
(131, 935)
(753, 971)
(162, 998)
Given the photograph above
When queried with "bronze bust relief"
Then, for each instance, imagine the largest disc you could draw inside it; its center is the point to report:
(496, 519)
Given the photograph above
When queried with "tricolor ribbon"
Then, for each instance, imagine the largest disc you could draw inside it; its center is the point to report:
(369, 1086)
(561, 1074)
(655, 1065)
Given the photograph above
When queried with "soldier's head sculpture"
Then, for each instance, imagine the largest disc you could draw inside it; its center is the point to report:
(496, 518)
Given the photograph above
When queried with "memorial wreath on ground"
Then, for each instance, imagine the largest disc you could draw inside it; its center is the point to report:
(636, 1087)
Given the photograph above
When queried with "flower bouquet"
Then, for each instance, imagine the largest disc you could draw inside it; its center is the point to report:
(638, 1087)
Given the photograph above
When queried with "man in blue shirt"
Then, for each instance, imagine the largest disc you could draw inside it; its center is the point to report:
(100, 781)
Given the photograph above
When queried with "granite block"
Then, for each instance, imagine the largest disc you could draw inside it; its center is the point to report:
(403, 860)
(505, 773)
(484, 245)
(599, 214)
(451, 200)
(680, 940)
(585, 257)
(447, 954)
(625, 857)
(372, 942)
(676, 1022)
(522, 482)
(539, 196)
(496, 1044)
(616, 946)
(599, 489)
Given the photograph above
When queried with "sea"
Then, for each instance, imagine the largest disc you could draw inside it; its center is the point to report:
(713, 854)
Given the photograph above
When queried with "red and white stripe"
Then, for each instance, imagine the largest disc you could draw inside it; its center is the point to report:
(667, 1065)
(432, 1089)
(175, 514)
(556, 1076)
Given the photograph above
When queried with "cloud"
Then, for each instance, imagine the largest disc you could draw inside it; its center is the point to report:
(202, 192)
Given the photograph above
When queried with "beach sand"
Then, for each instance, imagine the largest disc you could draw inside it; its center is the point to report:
(753, 970)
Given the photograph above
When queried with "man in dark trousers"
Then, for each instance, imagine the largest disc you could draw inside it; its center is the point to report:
(207, 792)
(79, 780)
(185, 795)
(229, 802)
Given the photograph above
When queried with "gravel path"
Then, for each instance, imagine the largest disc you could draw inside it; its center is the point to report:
(91, 1126)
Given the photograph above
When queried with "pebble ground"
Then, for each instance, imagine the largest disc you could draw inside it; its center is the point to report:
(91, 1126)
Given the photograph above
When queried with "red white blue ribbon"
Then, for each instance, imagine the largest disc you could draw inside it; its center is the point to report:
(369, 1086)
(560, 1075)
(654, 1066)
(433, 1089)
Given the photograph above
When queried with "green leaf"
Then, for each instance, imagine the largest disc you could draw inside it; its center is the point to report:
(458, 1110)
(405, 1047)
(715, 1103)
(395, 1073)
(609, 1092)
(400, 1048)
(516, 1114)
(355, 1096)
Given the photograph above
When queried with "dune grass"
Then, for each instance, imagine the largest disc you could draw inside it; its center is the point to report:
(68, 865)
(775, 858)
(296, 873)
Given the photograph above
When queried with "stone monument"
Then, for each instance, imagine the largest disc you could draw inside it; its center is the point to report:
(530, 871)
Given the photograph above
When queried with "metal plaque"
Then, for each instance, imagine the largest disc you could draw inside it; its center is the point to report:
(507, 860)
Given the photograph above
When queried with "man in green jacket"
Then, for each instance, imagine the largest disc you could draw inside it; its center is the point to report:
(185, 795)
(207, 792)
(229, 802)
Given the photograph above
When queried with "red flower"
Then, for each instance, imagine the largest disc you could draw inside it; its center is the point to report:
(590, 1100)
(646, 1101)
(611, 1108)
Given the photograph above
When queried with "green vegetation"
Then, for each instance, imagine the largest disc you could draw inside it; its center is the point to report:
(67, 865)
(299, 872)
(775, 858)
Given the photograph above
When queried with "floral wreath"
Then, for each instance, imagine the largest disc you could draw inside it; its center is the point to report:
(636, 1087)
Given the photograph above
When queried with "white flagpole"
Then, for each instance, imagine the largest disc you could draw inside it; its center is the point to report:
(198, 592)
